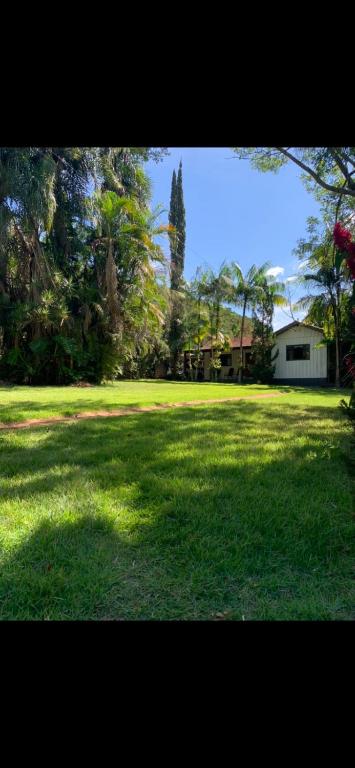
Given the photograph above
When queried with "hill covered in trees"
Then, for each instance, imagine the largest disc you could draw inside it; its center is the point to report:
(231, 323)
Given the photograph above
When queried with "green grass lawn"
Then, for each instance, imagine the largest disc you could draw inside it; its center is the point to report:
(20, 403)
(242, 509)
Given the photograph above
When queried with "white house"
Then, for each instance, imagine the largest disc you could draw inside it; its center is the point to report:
(300, 360)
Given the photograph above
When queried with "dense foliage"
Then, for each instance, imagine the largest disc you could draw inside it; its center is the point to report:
(328, 285)
(83, 283)
(79, 291)
(345, 245)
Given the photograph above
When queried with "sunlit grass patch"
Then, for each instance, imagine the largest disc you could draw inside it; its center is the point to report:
(242, 509)
(20, 403)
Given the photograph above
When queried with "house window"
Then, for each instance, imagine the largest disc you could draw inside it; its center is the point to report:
(297, 352)
(226, 360)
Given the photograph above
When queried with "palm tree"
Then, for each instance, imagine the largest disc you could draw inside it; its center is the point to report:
(244, 291)
(272, 296)
(263, 337)
(326, 301)
(29, 179)
(111, 212)
(214, 288)
(127, 234)
(195, 322)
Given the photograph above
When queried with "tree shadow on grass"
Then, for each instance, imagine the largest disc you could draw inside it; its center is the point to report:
(82, 570)
(62, 571)
(123, 450)
(178, 514)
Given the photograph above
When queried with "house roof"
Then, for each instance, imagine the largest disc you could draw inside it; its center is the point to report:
(295, 324)
(233, 343)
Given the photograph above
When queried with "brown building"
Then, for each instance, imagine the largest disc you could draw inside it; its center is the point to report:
(229, 359)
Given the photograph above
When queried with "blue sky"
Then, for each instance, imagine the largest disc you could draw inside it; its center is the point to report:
(234, 213)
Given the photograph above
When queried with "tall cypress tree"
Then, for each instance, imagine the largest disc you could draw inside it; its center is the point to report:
(172, 211)
(177, 251)
(172, 221)
(180, 225)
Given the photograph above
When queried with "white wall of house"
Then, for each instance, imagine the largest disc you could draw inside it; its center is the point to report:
(314, 368)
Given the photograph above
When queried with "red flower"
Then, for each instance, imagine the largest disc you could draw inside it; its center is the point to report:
(342, 237)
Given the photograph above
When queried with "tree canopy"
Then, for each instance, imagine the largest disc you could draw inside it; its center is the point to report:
(332, 168)
(79, 290)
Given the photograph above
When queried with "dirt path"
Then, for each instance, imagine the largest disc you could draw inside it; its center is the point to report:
(129, 410)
